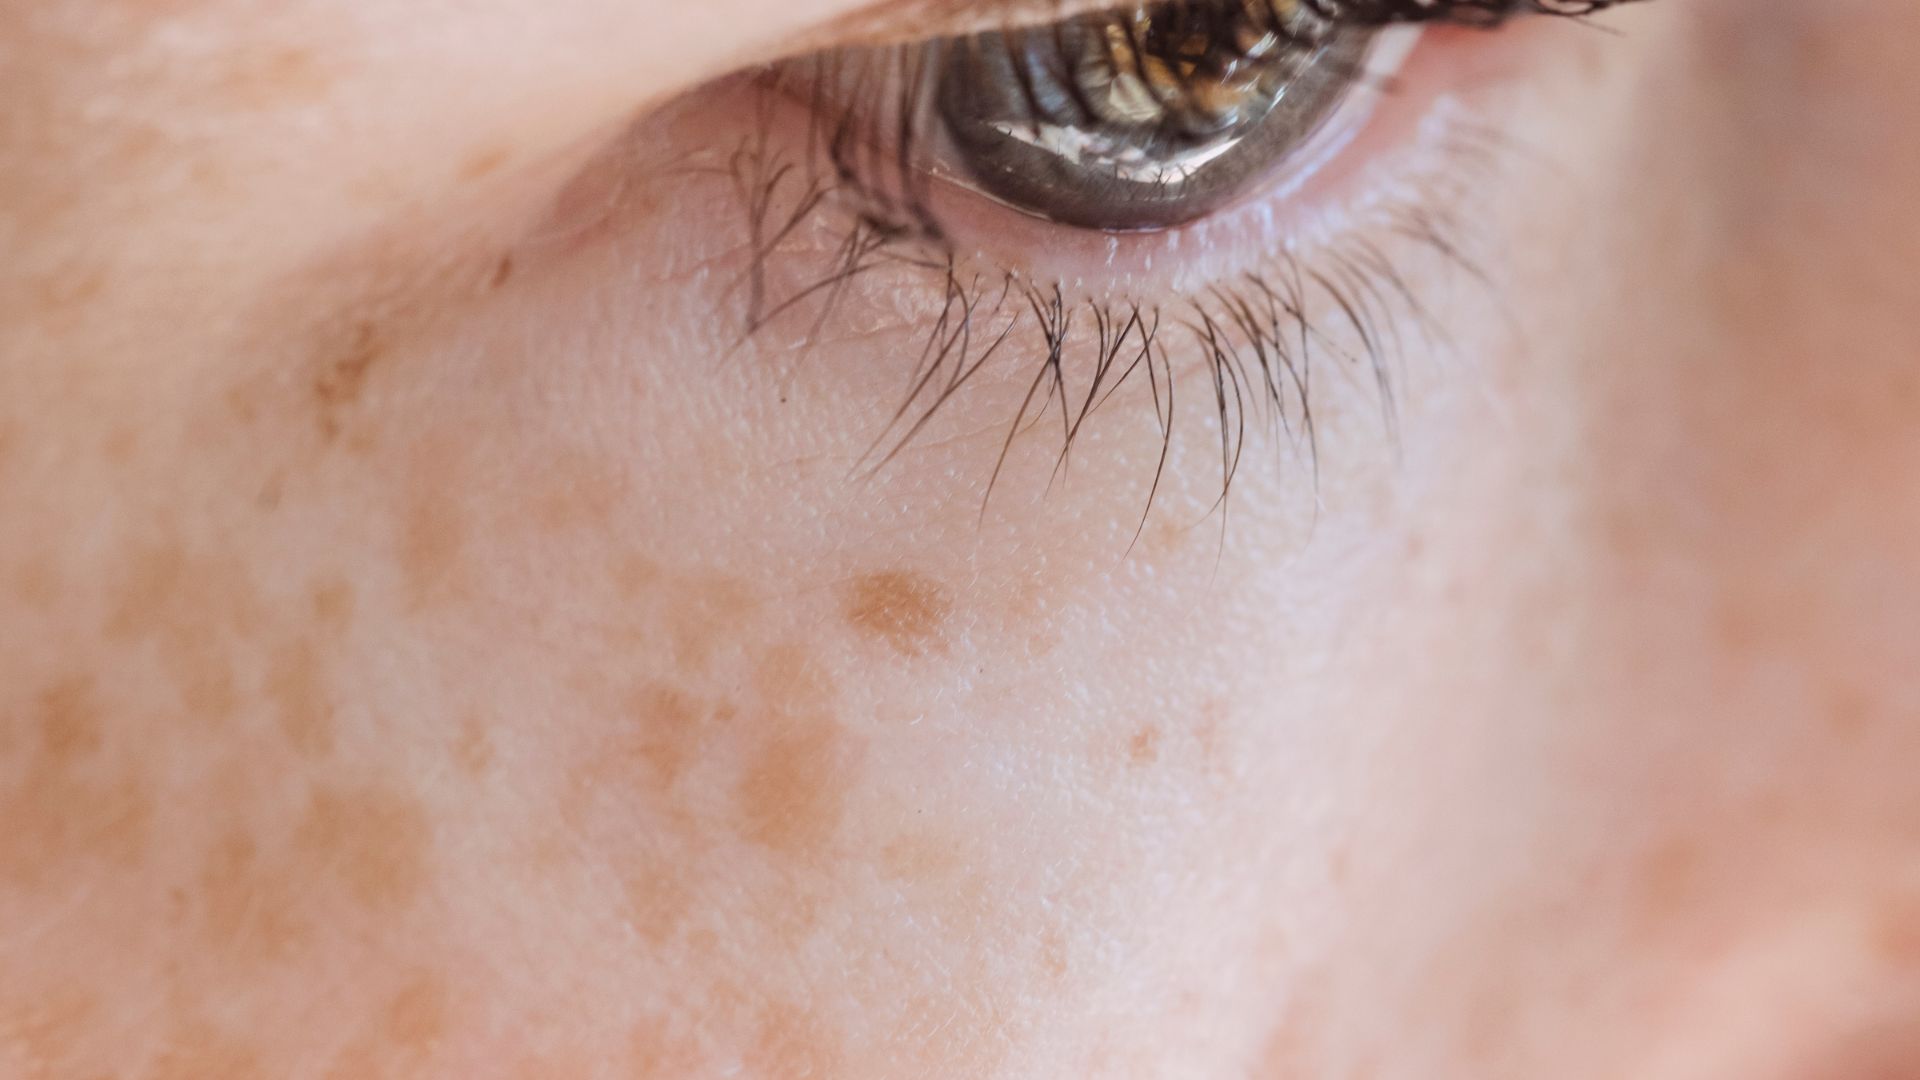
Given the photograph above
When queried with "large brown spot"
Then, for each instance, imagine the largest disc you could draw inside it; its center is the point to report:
(373, 840)
(794, 792)
(905, 610)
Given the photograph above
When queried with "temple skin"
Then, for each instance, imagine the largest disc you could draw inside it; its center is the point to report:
(432, 644)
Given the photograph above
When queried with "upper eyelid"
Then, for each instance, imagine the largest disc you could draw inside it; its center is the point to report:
(900, 21)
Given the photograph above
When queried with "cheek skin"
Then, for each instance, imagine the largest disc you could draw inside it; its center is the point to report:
(794, 783)
(1662, 608)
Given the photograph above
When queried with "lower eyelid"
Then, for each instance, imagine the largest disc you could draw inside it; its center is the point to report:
(669, 209)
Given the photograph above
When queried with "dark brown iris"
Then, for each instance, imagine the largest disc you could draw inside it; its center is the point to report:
(1145, 118)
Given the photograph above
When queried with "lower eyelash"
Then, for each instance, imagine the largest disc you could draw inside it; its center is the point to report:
(1256, 338)
(1265, 340)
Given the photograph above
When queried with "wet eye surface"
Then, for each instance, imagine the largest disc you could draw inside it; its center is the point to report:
(1145, 118)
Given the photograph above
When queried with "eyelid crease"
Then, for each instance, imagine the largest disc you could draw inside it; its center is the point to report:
(894, 22)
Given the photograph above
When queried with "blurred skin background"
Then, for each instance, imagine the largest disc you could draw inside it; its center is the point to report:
(436, 642)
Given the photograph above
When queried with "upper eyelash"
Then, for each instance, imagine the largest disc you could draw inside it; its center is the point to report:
(1254, 335)
(872, 148)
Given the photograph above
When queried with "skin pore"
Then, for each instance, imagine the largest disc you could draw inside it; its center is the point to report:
(432, 644)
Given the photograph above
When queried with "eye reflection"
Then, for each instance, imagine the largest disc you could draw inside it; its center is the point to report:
(1147, 118)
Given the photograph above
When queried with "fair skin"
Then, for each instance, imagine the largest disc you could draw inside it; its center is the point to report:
(433, 643)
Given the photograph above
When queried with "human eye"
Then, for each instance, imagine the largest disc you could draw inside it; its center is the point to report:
(1204, 212)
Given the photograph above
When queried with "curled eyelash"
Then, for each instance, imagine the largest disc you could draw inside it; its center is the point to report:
(1256, 338)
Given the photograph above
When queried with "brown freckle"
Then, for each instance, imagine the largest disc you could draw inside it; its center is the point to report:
(342, 375)
(271, 77)
(790, 1043)
(1143, 748)
(1340, 868)
(483, 162)
(37, 582)
(1849, 712)
(170, 592)
(907, 611)
(297, 688)
(1665, 878)
(69, 722)
(205, 678)
(1164, 537)
(120, 445)
(580, 491)
(55, 818)
(198, 1052)
(152, 586)
(635, 574)
(243, 403)
(1894, 932)
(667, 729)
(920, 858)
(70, 286)
(333, 604)
(657, 901)
(474, 747)
(433, 530)
(49, 1030)
(794, 793)
(247, 909)
(1293, 1046)
(700, 614)
(659, 1052)
(373, 840)
(417, 1016)
(1054, 956)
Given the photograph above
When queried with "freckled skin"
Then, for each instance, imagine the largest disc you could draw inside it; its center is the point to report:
(434, 645)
